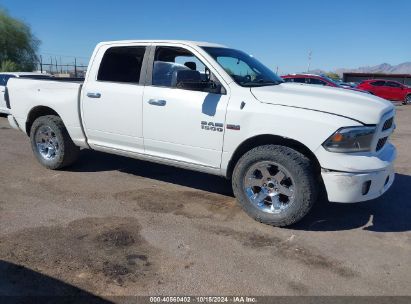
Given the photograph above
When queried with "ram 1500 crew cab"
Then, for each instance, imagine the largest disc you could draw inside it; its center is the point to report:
(214, 109)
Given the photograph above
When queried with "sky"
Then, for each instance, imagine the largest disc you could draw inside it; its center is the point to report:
(280, 33)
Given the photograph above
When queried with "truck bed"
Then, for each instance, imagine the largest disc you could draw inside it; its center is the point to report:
(60, 94)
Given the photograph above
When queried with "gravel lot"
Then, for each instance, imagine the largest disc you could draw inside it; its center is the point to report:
(116, 226)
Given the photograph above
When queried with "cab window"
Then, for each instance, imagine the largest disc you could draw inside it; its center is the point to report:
(176, 67)
(122, 64)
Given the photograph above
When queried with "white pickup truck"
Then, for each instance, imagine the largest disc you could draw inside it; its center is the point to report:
(218, 110)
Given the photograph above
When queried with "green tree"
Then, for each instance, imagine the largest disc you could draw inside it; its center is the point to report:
(333, 75)
(18, 45)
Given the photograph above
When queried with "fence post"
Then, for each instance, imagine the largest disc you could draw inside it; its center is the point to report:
(75, 67)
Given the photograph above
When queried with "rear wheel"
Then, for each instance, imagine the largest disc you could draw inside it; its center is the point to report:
(275, 185)
(51, 143)
(407, 99)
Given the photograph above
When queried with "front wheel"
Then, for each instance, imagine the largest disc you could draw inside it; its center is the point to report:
(51, 143)
(275, 185)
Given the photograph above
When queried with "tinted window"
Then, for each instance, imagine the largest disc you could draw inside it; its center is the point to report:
(393, 84)
(122, 64)
(299, 79)
(378, 83)
(317, 81)
(170, 60)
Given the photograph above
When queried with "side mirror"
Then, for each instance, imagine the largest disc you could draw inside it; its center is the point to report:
(191, 80)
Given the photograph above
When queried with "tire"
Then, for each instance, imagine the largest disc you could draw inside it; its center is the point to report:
(51, 143)
(290, 190)
(407, 100)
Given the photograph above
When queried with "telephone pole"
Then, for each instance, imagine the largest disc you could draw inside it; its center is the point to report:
(309, 61)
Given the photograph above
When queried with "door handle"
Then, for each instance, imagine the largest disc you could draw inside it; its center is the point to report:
(157, 102)
(94, 95)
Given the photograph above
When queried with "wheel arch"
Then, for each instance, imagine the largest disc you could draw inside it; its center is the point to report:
(269, 139)
(37, 112)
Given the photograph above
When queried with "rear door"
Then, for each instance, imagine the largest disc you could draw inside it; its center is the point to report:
(181, 124)
(112, 98)
(394, 90)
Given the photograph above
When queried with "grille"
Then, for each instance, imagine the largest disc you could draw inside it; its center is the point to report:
(381, 143)
(388, 124)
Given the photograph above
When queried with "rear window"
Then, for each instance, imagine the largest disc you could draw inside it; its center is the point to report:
(122, 64)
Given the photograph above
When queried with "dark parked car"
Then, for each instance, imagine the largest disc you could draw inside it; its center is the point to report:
(387, 89)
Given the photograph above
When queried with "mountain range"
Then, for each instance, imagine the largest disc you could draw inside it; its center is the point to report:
(384, 68)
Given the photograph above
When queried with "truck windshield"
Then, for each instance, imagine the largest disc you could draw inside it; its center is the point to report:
(243, 68)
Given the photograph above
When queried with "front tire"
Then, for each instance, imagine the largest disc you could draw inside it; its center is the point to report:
(51, 143)
(275, 185)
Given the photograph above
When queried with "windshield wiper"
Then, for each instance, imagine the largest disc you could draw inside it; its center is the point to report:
(260, 83)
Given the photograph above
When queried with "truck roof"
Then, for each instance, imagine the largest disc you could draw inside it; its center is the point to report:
(187, 42)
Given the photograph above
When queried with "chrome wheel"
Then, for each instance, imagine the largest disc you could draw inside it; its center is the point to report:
(269, 187)
(47, 143)
(408, 99)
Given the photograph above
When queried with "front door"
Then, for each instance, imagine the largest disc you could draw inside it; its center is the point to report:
(183, 124)
(112, 100)
(378, 88)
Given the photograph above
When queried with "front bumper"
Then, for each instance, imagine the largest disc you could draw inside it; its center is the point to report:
(346, 187)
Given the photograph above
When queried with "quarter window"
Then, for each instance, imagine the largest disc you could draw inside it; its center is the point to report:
(122, 64)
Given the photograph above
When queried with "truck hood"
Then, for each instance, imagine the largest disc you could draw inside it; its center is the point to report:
(362, 107)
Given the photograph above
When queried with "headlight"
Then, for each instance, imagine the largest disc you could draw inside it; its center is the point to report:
(351, 139)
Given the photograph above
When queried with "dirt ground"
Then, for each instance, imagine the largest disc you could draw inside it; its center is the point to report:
(110, 225)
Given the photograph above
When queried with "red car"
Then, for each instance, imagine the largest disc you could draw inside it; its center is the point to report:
(387, 89)
(318, 80)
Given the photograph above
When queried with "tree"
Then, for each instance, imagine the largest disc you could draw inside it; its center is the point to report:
(333, 75)
(18, 45)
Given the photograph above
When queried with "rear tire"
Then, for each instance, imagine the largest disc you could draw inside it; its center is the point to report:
(407, 100)
(275, 185)
(51, 143)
